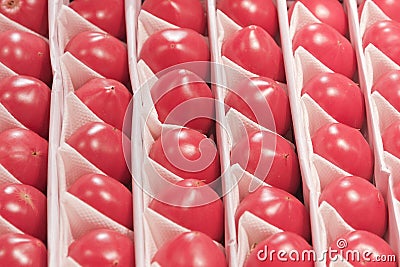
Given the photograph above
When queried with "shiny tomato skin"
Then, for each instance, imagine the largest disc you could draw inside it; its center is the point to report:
(391, 139)
(388, 85)
(21, 250)
(190, 249)
(339, 96)
(345, 147)
(103, 247)
(255, 50)
(328, 46)
(25, 207)
(182, 13)
(24, 154)
(278, 208)
(390, 7)
(26, 54)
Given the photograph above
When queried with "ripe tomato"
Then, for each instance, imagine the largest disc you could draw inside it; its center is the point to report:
(26, 54)
(20, 95)
(388, 85)
(256, 97)
(292, 247)
(359, 203)
(249, 46)
(182, 13)
(391, 140)
(252, 12)
(24, 207)
(339, 96)
(278, 208)
(180, 204)
(390, 7)
(269, 157)
(24, 154)
(328, 11)
(346, 148)
(20, 250)
(103, 146)
(105, 194)
(103, 247)
(183, 98)
(188, 154)
(371, 249)
(101, 52)
(107, 98)
(396, 191)
(328, 46)
(190, 249)
(105, 14)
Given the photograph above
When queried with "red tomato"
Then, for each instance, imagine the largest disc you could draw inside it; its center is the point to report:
(388, 85)
(339, 96)
(269, 157)
(105, 194)
(105, 14)
(328, 46)
(180, 204)
(190, 249)
(292, 246)
(278, 208)
(396, 191)
(346, 148)
(182, 13)
(20, 250)
(252, 12)
(256, 97)
(104, 146)
(101, 52)
(107, 98)
(183, 98)
(171, 47)
(372, 250)
(24, 154)
(26, 54)
(249, 47)
(20, 95)
(390, 7)
(103, 247)
(188, 154)
(385, 35)
(328, 11)
(359, 203)
(391, 140)
(24, 207)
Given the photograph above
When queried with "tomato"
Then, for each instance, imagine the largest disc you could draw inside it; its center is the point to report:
(170, 47)
(269, 157)
(358, 202)
(20, 250)
(396, 191)
(103, 247)
(256, 97)
(187, 153)
(24, 154)
(372, 250)
(252, 12)
(24, 207)
(184, 205)
(249, 46)
(105, 14)
(26, 54)
(182, 13)
(278, 208)
(104, 146)
(107, 98)
(328, 46)
(328, 11)
(391, 140)
(339, 96)
(105, 194)
(190, 249)
(390, 7)
(101, 52)
(20, 95)
(385, 35)
(292, 246)
(183, 98)
(388, 85)
(346, 148)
